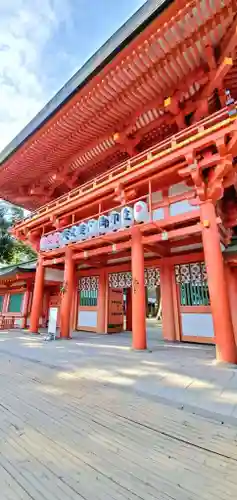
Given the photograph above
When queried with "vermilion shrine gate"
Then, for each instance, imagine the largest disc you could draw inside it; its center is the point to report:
(130, 173)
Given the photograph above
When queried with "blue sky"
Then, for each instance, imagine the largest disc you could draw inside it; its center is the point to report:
(42, 43)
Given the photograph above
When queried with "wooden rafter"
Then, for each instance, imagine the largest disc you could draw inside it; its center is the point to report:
(138, 77)
(229, 42)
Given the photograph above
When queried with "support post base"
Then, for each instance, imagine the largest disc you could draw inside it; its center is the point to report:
(229, 359)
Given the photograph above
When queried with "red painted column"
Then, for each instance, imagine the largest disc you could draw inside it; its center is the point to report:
(46, 306)
(38, 294)
(168, 316)
(26, 307)
(102, 303)
(75, 304)
(231, 277)
(138, 292)
(129, 310)
(5, 303)
(67, 296)
(220, 306)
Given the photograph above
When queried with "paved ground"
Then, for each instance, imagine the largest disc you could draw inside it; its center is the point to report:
(90, 419)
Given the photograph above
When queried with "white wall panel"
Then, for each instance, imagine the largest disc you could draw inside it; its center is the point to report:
(156, 197)
(158, 214)
(179, 188)
(54, 275)
(181, 207)
(87, 319)
(197, 325)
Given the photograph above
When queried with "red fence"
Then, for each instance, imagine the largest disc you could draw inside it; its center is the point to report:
(7, 323)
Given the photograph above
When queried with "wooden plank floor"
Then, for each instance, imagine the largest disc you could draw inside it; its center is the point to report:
(63, 438)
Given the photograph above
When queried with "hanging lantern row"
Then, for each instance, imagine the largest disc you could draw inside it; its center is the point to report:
(114, 221)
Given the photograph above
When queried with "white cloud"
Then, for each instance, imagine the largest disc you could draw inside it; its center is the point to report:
(42, 43)
(26, 27)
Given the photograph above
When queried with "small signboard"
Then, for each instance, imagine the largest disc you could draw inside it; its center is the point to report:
(52, 326)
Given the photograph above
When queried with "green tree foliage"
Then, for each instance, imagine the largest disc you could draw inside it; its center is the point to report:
(12, 251)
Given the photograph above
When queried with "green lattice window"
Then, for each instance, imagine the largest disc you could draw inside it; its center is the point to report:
(193, 286)
(194, 295)
(1, 302)
(88, 298)
(15, 302)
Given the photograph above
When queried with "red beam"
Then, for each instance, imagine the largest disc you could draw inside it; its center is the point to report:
(173, 234)
(115, 249)
(230, 40)
(157, 249)
(150, 163)
(218, 76)
(100, 251)
(232, 145)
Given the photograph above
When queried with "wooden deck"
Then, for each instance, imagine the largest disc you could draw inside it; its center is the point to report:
(68, 438)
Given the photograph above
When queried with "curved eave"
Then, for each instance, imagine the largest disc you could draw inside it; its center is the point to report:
(93, 66)
(11, 271)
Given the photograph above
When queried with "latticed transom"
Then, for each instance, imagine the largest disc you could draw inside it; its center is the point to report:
(89, 283)
(128, 95)
(124, 279)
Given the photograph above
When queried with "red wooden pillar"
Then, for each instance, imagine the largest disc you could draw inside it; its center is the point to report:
(138, 292)
(129, 310)
(46, 307)
(75, 303)
(67, 296)
(231, 277)
(167, 300)
(102, 303)
(220, 307)
(38, 294)
(26, 306)
(5, 303)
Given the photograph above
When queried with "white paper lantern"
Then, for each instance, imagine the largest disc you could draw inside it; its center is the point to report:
(54, 240)
(65, 236)
(72, 234)
(114, 220)
(92, 228)
(51, 241)
(127, 218)
(141, 213)
(103, 224)
(82, 231)
(61, 240)
(78, 237)
(57, 239)
(43, 243)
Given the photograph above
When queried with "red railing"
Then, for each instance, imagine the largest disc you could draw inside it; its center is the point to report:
(146, 156)
(7, 322)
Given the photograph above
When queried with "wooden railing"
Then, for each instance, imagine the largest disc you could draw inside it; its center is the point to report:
(160, 149)
(7, 322)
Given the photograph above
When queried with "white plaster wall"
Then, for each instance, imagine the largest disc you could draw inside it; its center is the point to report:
(156, 197)
(54, 274)
(181, 207)
(24, 302)
(197, 325)
(179, 188)
(87, 319)
(158, 214)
